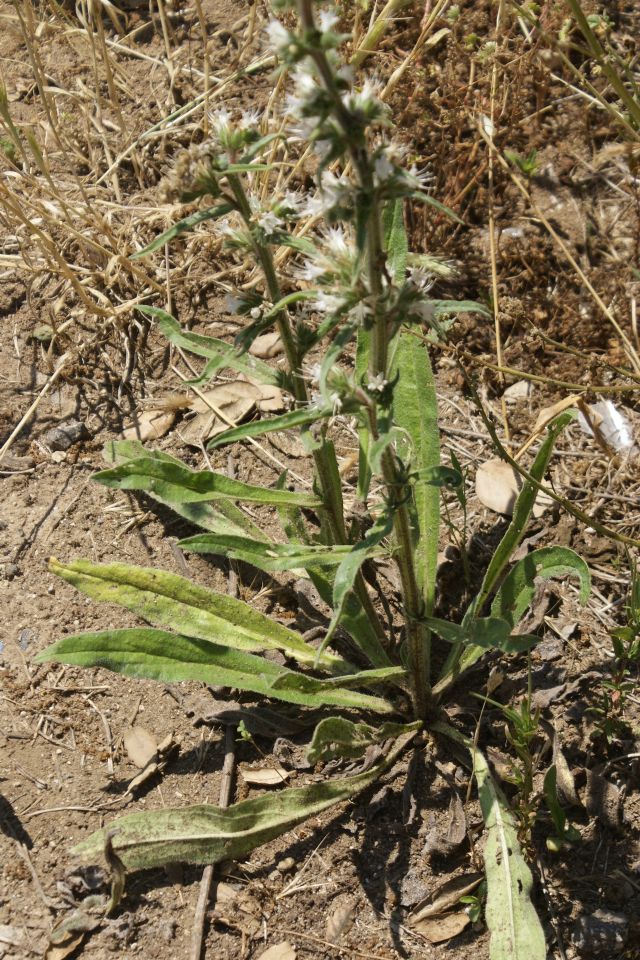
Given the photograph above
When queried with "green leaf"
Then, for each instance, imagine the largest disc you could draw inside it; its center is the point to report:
(415, 409)
(177, 483)
(395, 239)
(259, 145)
(347, 571)
(294, 418)
(302, 244)
(266, 556)
(182, 226)
(173, 658)
(455, 664)
(219, 353)
(225, 517)
(514, 926)
(487, 633)
(518, 588)
(444, 307)
(338, 737)
(165, 599)
(432, 202)
(208, 834)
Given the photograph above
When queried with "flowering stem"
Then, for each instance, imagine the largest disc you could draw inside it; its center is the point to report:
(418, 635)
(324, 457)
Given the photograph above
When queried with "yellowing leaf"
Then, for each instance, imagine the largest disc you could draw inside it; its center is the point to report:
(141, 746)
(150, 425)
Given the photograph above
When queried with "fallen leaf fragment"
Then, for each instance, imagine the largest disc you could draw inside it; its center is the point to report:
(141, 746)
(225, 405)
(442, 843)
(269, 397)
(279, 951)
(266, 346)
(547, 414)
(67, 935)
(340, 919)
(150, 425)
(265, 776)
(439, 929)
(445, 897)
(497, 486)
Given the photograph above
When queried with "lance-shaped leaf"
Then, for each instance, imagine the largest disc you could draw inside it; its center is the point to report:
(176, 483)
(219, 353)
(396, 243)
(348, 570)
(165, 599)
(457, 662)
(485, 633)
(338, 737)
(518, 587)
(183, 226)
(258, 428)
(265, 555)
(514, 926)
(208, 834)
(416, 411)
(172, 658)
(225, 517)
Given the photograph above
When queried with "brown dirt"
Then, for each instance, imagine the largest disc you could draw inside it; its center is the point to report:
(63, 770)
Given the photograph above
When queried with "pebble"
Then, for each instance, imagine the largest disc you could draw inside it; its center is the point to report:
(284, 866)
(601, 934)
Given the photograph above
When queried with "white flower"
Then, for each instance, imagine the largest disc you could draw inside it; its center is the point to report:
(220, 119)
(419, 178)
(249, 119)
(255, 313)
(311, 271)
(314, 206)
(327, 20)
(269, 221)
(377, 383)
(384, 168)
(292, 201)
(423, 310)
(337, 242)
(278, 36)
(315, 373)
(224, 228)
(334, 188)
(336, 402)
(233, 304)
(361, 311)
(327, 303)
(420, 278)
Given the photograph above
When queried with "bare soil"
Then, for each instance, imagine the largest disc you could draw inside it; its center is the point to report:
(63, 769)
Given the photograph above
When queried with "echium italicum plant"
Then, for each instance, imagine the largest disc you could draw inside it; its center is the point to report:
(350, 305)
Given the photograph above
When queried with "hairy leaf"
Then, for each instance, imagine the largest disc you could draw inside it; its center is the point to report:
(339, 737)
(295, 418)
(182, 226)
(219, 353)
(265, 555)
(172, 658)
(208, 834)
(176, 483)
(416, 411)
(518, 587)
(166, 599)
(395, 239)
(225, 517)
(516, 931)
(485, 633)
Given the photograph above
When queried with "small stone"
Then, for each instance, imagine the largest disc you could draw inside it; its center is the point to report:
(11, 570)
(284, 866)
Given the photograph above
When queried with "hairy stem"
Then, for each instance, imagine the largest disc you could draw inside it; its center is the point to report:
(324, 457)
(418, 636)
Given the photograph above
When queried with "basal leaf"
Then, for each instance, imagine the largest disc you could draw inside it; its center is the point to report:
(183, 226)
(176, 483)
(518, 587)
(165, 599)
(514, 926)
(225, 517)
(487, 633)
(266, 555)
(208, 834)
(173, 658)
(338, 737)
